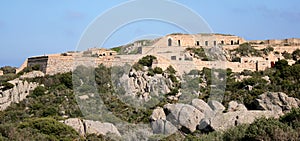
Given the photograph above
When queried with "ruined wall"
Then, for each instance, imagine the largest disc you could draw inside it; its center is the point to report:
(1, 72)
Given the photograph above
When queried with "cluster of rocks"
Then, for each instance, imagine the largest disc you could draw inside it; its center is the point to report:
(16, 94)
(32, 74)
(85, 127)
(139, 84)
(211, 116)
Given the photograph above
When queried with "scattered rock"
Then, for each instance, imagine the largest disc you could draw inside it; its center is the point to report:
(157, 114)
(216, 106)
(224, 121)
(77, 124)
(163, 127)
(96, 127)
(234, 106)
(202, 106)
(276, 101)
(183, 116)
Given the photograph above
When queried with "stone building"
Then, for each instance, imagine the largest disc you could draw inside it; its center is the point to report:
(204, 40)
(170, 50)
(1, 72)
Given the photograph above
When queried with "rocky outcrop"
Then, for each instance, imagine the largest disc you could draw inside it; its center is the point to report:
(96, 127)
(85, 127)
(202, 106)
(221, 122)
(32, 74)
(276, 101)
(139, 84)
(16, 94)
(157, 114)
(163, 127)
(77, 124)
(235, 106)
(211, 116)
(183, 116)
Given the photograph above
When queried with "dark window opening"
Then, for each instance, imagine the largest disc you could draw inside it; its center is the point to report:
(198, 43)
(173, 57)
(222, 42)
(206, 43)
(169, 42)
(179, 44)
(231, 42)
(215, 43)
(238, 42)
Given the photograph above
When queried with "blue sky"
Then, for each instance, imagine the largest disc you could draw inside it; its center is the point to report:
(32, 27)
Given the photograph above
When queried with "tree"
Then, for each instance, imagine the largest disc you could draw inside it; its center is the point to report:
(147, 60)
(296, 54)
(8, 69)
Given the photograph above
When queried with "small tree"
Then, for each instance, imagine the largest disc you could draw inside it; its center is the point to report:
(296, 54)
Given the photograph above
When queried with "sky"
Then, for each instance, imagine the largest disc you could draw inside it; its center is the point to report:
(32, 27)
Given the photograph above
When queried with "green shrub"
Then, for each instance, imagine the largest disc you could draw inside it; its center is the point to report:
(8, 69)
(158, 70)
(270, 129)
(38, 91)
(292, 118)
(147, 60)
(150, 72)
(7, 86)
(170, 70)
(51, 127)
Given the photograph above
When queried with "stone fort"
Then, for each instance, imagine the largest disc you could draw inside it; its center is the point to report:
(169, 50)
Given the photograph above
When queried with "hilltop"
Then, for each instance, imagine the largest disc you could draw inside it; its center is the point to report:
(202, 86)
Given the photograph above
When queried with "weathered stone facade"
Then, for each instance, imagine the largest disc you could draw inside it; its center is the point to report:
(170, 50)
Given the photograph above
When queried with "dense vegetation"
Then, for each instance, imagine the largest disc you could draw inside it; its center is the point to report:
(38, 116)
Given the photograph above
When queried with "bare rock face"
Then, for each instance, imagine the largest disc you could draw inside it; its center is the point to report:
(202, 106)
(18, 93)
(163, 127)
(96, 127)
(84, 127)
(234, 106)
(221, 122)
(77, 124)
(183, 116)
(157, 114)
(216, 106)
(278, 102)
(32, 74)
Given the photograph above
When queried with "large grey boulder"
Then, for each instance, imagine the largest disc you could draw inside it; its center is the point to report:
(96, 127)
(216, 106)
(85, 127)
(224, 121)
(163, 127)
(276, 101)
(183, 116)
(76, 124)
(203, 107)
(235, 106)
